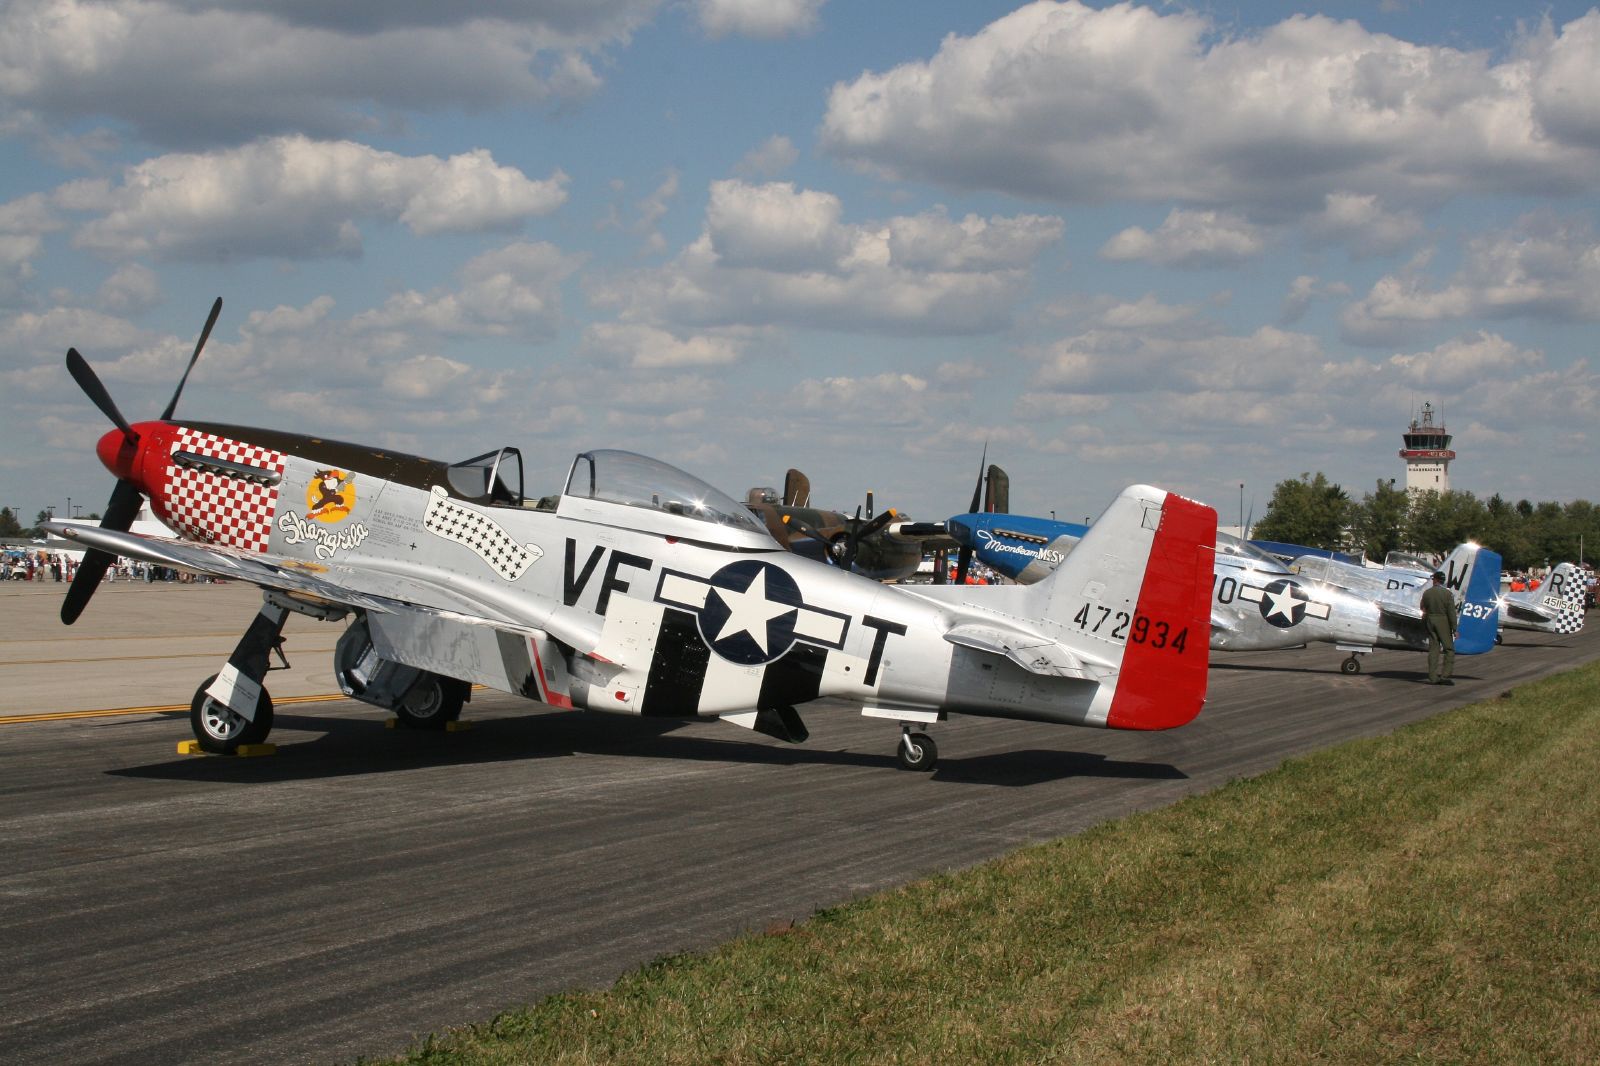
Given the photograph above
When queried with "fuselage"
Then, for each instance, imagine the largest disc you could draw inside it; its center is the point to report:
(658, 600)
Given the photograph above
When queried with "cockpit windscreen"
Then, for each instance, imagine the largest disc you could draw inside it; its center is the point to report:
(638, 481)
(1227, 544)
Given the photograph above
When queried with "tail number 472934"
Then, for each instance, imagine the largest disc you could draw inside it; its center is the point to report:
(1091, 618)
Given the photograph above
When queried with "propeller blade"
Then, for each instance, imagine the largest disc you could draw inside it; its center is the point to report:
(977, 489)
(89, 382)
(824, 550)
(120, 513)
(216, 309)
(964, 556)
(875, 526)
(963, 562)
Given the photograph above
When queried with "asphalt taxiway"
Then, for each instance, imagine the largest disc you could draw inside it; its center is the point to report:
(365, 886)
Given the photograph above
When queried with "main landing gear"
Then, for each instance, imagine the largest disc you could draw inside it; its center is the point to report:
(231, 708)
(1351, 665)
(917, 751)
(433, 702)
(420, 699)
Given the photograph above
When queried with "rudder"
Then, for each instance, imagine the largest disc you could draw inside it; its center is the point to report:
(1136, 591)
(1479, 621)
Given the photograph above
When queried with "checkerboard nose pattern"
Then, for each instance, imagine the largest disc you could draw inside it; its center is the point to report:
(214, 507)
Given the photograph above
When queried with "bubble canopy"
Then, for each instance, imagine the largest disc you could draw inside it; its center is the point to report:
(649, 487)
(1227, 544)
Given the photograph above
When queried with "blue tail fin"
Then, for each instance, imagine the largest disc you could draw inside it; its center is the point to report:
(1480, 605)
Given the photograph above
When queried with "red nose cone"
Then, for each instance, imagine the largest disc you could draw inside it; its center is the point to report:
(118, 453)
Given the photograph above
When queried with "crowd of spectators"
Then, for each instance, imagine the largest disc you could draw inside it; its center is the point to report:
(43, 565)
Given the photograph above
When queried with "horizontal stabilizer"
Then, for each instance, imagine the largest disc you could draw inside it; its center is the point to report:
(1523, 611)
(1034, 653)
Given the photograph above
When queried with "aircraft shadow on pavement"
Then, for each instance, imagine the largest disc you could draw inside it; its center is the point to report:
(1332, 669)
(1420, 674)
(1035, 766)
(346, 747)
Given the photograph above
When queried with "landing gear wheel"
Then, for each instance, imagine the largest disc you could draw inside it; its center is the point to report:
(432, 702)
(1351, 665)
(917, 751)
(1499, 638)
(219, 730)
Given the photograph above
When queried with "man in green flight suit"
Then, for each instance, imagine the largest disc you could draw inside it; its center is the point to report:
(1439, 614)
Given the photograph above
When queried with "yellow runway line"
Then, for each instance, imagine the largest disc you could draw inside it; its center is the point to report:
(172, 708)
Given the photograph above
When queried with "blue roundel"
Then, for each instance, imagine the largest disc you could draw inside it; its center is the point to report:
(750, 612)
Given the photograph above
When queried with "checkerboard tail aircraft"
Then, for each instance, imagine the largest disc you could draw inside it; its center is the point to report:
(638, 590)
(1556, 607)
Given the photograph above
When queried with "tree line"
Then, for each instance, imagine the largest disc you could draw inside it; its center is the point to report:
(1313, 511)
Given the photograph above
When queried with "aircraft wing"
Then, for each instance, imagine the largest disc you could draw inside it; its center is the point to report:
(386, 589)
(1401, 610)
(1034, 653)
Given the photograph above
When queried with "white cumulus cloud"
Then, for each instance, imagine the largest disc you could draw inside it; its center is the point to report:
(765, 19)
(775, 254)
(293, 197)
(1068, 102)
(188, 73)
(1189, 239)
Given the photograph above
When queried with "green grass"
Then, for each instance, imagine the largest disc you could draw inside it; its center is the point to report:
(1428, 896)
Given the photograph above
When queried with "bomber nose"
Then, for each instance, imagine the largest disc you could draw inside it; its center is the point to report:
(117, 450)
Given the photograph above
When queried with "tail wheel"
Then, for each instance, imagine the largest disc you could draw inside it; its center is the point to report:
(1351, 665)
(220, 730)
(917, 751)
(432, 702)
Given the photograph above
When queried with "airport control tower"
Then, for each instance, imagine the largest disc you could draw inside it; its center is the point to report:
(1427, 454)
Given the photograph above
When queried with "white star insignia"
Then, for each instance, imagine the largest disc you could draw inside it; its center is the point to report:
(750, 611)
(1282, 603)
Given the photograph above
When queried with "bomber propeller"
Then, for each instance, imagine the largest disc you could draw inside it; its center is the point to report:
(126, 497)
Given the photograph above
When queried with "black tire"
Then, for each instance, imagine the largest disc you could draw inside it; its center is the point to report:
(923, 755)
(432, 703)
(1351, 665)
(219, 730)
(1499, 638)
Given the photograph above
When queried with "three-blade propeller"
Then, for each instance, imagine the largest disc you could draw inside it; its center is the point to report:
(126, 498)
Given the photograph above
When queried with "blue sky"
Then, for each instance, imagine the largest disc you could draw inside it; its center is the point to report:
(1193, 245)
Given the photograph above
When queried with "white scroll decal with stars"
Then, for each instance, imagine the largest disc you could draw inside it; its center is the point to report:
(457, 522)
